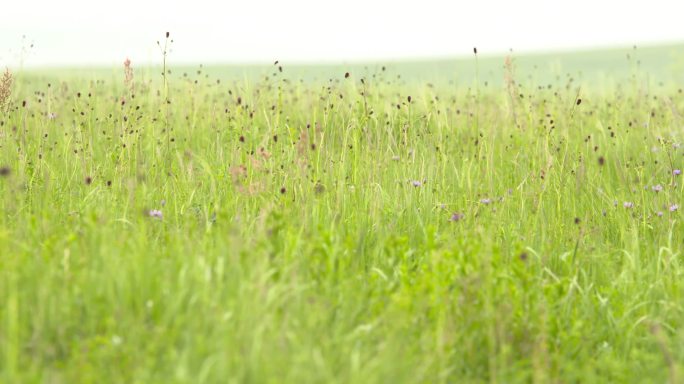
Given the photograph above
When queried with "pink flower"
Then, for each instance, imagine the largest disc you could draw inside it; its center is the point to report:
(157, 214)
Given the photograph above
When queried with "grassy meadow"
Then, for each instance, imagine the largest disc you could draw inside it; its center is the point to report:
(457, 221)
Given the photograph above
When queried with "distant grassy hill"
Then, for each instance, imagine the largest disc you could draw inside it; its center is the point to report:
(664, 63)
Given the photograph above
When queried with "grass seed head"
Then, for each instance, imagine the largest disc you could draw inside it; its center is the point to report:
(6, 89)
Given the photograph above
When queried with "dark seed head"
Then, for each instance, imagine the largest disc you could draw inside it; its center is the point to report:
(475, 50)
(167, 35)
(523, 256)
(577, 220)
(346, 75)
(283, 190)
(242, 139)
(88, 180)
(579, 101)
(601, 160)
(5, 171)
(409, 99)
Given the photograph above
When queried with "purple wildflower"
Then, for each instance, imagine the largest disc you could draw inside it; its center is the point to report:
(416, 183)
(628, 204)
(156, 214)
(674, 207)
(456, 216)
(677, 172)
(486, 201)
(657, 188)
(660, 214)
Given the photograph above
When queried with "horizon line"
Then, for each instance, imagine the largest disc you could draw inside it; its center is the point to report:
(374, 60)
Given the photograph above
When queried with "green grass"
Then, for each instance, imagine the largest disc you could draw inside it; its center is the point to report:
(317, 257)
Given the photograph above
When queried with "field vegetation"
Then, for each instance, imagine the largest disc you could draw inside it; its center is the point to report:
(494, 219)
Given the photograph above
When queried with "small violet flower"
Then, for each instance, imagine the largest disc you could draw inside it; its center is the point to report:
(628, 204)
(486, 201)
(156, 214)
(677, 172)
(657, 188)
(674, 207)
(416, 183)
(456, 216)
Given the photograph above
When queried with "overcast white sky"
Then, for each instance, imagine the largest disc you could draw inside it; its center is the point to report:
(87, 32)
